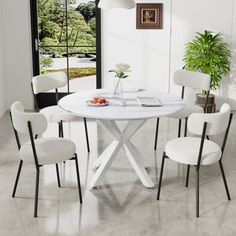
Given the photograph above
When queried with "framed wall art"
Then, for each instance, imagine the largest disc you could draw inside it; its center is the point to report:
(149, 16)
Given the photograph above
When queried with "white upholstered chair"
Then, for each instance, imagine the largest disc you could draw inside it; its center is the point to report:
(55, 80)
(198, 151)
(40, 151)
(187, 79)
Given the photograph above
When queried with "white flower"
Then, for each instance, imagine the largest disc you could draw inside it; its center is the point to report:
(122, 67)
(121, 70)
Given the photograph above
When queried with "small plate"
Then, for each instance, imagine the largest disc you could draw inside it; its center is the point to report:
(97, 105)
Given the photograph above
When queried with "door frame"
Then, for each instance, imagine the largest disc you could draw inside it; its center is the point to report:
(49, 99)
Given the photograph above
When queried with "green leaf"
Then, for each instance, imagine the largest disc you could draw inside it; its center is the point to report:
(208, 53)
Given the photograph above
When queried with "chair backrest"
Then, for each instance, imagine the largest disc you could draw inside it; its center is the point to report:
(20, 119)
(216, 122)
(195, 80)
(43, 83)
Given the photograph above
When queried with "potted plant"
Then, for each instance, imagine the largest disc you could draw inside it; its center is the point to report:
(208, 53)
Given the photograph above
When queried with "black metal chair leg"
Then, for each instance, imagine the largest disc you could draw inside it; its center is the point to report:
(86, 133)
(185, 135)
(17, 178)
(36, 194)
(187, 176)
(197, 192)
(62, 131)
(208, 137)
(186, 127)
(58, 176)
(156, 135)
(78, 178)
(59, 129)
(224, 179)
(160, 178)
(179, 130)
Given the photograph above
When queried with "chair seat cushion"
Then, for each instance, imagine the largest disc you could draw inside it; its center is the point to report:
(56, 114)
(49, 150)
(185, 150)
(186, 112)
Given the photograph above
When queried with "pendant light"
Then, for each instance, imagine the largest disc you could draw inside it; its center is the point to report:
(108, 4)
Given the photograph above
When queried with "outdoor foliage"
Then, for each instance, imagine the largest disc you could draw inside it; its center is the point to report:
(54, 28)
(208, 53)
(45, 62)
(87, 10)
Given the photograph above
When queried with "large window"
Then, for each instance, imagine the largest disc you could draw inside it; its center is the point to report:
(66, 37)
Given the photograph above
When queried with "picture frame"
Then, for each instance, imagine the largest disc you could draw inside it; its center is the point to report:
(149, 15)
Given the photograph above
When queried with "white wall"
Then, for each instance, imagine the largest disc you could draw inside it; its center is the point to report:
(18, 57)
(2, 69)
(155, 54)
(231, 91)
(147, 51)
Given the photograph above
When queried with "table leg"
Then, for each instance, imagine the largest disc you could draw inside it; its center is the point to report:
(121, 139)
(105, 165)
(115, 132)
(105, 153)
(136, 161)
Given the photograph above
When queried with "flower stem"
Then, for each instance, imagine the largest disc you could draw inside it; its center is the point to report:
(117, 86)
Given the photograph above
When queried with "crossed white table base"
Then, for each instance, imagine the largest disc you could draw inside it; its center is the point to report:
(121, 140)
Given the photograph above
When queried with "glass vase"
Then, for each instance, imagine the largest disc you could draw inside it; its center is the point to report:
(118, 89)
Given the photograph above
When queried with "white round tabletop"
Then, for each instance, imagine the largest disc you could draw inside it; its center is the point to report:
(76, 104)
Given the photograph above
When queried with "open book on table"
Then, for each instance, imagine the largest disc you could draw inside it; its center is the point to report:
(149, 101)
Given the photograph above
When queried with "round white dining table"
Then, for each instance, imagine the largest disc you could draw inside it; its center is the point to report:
(127, 109)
